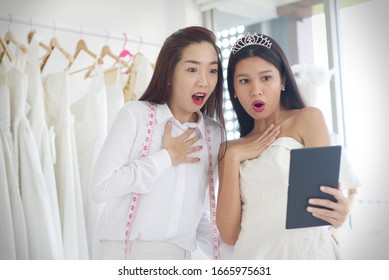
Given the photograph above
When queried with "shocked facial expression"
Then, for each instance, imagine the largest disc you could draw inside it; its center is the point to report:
(258, 86)
(194, 79)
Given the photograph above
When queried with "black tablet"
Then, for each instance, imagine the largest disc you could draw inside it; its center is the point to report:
(309, 169)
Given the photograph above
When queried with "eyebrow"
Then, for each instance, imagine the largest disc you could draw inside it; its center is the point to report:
(197, 62)
(263, 72)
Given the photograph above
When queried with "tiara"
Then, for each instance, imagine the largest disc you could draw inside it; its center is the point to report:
(249, 40)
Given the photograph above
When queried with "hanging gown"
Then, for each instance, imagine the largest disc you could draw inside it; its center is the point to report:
(90, 113)
(7, 237)
(139, 78)
(18, 219)
(264, 189)
(39, 221)
(66, 168)
(43, 136)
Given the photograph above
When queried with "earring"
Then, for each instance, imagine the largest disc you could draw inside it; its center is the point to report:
(283, 88)
(235, 96)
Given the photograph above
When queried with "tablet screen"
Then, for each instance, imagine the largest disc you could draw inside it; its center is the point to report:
(309, 169)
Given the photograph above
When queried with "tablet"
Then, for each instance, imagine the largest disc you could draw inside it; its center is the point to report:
(309, 169)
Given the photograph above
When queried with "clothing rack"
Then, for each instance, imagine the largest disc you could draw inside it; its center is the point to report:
(77, 29)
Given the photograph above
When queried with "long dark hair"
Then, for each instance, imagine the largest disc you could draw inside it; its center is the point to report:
(158, 90)
(290, 98)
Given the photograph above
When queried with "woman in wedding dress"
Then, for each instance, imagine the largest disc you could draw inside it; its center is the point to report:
(254, 171)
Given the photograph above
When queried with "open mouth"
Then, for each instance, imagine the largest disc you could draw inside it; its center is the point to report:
(258, 105)
(198, 98)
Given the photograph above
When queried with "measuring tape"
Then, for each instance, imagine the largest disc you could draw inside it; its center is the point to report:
(212, 198)
(135, 197)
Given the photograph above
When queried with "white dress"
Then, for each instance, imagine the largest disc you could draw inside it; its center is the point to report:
(66, 167)
(7, 238)
(90, 126)
(12, 181)
(139, 78)
(43, 136)
(264, 188)
(36, 203)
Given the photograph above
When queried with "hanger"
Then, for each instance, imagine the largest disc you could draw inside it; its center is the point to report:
(54, 44)
(31, 34)
(2, 52)
(106, 51)
(81, 46)
(10, 38)
(124, 51)
(5, 50)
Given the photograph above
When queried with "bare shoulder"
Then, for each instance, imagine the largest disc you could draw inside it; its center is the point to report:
(309, 113)
(312, 127)
(307, 117)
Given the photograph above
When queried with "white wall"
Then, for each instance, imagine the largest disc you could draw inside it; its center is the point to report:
(148, 18)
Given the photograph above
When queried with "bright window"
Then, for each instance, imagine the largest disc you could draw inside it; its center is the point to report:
(226, 39)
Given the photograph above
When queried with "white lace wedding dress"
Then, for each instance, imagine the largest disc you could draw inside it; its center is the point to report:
(264, 188)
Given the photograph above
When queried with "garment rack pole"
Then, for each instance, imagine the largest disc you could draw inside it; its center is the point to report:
(76, 29)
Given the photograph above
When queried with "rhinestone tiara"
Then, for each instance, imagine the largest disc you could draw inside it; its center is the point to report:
(249, 40)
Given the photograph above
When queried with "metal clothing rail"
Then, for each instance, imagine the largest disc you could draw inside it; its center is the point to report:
(76, 29)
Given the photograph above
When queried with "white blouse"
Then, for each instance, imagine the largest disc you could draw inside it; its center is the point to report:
(174, 203)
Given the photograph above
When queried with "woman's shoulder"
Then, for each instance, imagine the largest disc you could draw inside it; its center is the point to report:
(134, 111)
(307, 115)
(311, 127)
(136, 107)
(309, 111)
(136, 104)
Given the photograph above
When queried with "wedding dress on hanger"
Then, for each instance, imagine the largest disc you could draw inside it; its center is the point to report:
(66, 167)
(12, 180)
(7, 236)
(140, 74)
(43, 136)
(39, 221)
(90, 124)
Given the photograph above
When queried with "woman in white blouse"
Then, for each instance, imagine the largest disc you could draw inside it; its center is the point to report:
(170, 183)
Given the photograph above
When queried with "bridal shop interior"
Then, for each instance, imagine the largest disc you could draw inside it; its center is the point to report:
(337, 49)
